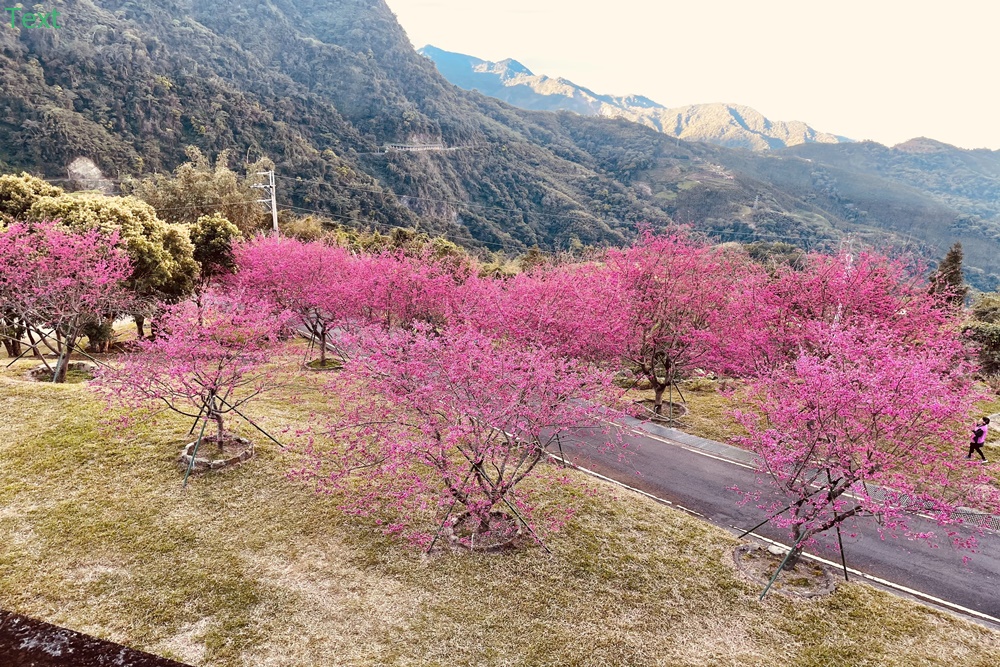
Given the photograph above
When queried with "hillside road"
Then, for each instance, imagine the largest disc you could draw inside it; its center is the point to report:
(697, 475)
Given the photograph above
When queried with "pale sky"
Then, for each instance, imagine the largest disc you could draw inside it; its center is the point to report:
(886, 70)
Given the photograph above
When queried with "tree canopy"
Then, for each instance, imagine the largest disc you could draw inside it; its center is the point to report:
(198, 188)
(161, 254)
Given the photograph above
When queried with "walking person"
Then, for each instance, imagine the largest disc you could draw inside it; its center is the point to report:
(979, 439)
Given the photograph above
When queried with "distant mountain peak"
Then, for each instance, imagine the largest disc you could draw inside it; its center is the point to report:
(924, 145)
(732, 125)
(514, 67)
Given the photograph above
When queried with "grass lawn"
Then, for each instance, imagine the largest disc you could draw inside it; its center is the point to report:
(707, 415)
(247, 567)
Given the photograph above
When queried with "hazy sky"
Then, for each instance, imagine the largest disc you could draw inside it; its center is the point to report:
(885, 70)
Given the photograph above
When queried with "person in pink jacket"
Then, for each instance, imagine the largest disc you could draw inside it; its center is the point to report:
(979, 439)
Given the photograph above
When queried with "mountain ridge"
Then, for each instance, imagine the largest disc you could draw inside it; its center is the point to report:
(724, 124)
(323, 86)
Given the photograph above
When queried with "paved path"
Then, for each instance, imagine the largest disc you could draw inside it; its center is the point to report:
(695, 473)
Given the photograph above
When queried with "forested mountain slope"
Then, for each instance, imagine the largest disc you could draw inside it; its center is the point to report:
(321, 87)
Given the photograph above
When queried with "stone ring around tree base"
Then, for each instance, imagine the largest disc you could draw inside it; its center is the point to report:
(503, 530)
(808, 579)
(43, 373)
(203, 464)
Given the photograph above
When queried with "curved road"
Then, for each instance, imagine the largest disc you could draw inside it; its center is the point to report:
(695, 474)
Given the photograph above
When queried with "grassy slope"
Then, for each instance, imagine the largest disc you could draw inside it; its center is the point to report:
(249, 568)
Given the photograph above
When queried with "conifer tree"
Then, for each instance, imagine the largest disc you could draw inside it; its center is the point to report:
(948, 280)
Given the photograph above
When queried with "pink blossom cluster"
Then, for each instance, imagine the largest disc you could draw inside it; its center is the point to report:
(857, 381)
(55, 281)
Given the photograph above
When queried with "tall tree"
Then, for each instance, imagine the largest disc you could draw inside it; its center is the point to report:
(948, 280)
(983, 327)
(670, 292)
(213, 238)
(870, 425)
(198, 188)
(789, 311)
(312, 280)
(453, 418)
(394, 289)
(206, 364)
(163, 265)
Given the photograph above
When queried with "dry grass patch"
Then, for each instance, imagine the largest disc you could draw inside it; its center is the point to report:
(707, 415)
(246, 567)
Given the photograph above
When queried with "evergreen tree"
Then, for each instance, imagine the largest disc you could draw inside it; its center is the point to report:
(199, 188)
(18, 193)
(948, 280)
(984, 330)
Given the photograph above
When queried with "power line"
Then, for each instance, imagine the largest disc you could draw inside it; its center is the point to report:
(207, 205)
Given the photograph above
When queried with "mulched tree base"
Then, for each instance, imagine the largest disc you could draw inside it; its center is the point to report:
(25, 642)
(329, 365)
(235, 450)
(504, 531)
(76, 371)
(678, 410)
(807, 579)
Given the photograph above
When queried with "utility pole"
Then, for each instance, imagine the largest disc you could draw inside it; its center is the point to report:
(270, 199)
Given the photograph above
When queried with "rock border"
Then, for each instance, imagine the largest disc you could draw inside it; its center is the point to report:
(680, 410)
(316, 369)
(824, 584)
(39, 373)
(206, 464)
(506, 543)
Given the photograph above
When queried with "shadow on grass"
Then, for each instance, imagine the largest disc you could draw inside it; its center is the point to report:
(26, 642)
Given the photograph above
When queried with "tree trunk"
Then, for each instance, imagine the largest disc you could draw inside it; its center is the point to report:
(793, 558)
(140, 321)
(12, 329)
(215, 415)
(13, 347)
(59, 374)
(322, 347)
(110, 327)
(796, 553)
(658, 390)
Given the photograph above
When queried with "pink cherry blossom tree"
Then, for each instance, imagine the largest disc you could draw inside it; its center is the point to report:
(396, 290)
(565, 308)
(317, 282)
(790, 311)
(201, 367)
(670, 293)
(450, 419)
(867, 421)
(57, 281)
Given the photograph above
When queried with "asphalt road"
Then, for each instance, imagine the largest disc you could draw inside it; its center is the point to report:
(695, 475)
